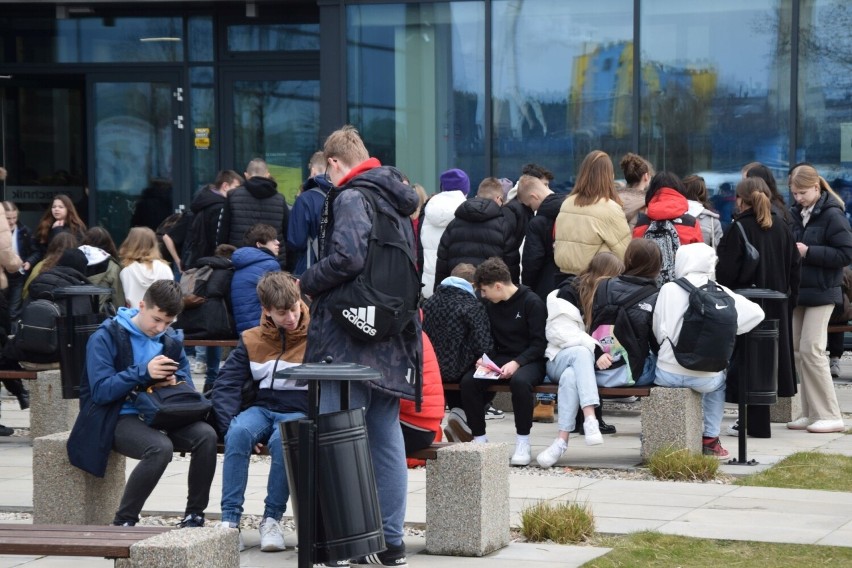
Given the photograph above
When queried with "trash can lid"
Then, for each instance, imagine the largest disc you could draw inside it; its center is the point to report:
(761, 294)
(81, 290)
(329, 372)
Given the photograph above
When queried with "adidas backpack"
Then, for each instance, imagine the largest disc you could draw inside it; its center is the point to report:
(381, 301)
(709, 330)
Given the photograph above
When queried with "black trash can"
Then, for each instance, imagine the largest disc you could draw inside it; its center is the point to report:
(757, 352)
(74, 329)
(350, 522)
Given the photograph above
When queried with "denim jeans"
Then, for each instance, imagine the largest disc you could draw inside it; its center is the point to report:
(254, 425)
(386, 448)
(712, 390)
(573, 368)
(213, 356)
(154, 449)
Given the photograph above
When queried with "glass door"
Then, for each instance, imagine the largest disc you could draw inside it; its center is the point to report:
(274, 116)
(136, 123)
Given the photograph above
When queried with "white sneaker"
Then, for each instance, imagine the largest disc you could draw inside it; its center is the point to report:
(592, 432)
(827, 426)
(522, 455)
(799, 423)
(229, 525)
(552, 454)
(199, 367)
(733, 429)
(271, 536)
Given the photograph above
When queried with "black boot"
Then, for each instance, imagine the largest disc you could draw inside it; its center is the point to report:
(578, 422)
(17, 388)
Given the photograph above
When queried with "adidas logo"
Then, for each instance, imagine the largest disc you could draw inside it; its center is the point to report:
(362, 318)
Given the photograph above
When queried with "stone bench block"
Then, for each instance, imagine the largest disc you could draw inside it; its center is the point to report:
(49, 412)
(503, 401)
(208, 547)
(786, 409)
(467, 500)
(671, 417)
(66, 495)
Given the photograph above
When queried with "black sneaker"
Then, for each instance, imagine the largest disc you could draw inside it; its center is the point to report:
(393, 556)
(492, 413)
(124, 524)
(192, 521)
(6, 431)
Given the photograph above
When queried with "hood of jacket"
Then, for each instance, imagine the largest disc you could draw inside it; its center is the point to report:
(244, 256)
(144, 274)
(145, 347)
(695, 258)
(697, 208)
(441, 208)
(387, 182)
(825, 201)
(550, 205)
(298, 336)
(478, 209)
(320, 182)
(460, 283)
(261, 187)
(204, 199)
(94, 255)
(667, 203)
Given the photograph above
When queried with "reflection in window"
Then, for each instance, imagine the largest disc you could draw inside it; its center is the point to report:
(562, 83)
(200, 38)
(416, 86)
(205, 149)
(715, 88)
(108, 40)
(824, 135)
(273, 37)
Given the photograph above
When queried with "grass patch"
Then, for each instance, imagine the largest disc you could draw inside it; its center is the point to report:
(564, 523)
(655, 549)
(682, 465)
(806, 470)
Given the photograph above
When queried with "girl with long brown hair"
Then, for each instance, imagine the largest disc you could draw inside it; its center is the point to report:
(143, 265)
(60, 217)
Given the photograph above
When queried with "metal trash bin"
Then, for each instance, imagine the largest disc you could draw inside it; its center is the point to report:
(757, 353)
(74, 332)
(337, 505)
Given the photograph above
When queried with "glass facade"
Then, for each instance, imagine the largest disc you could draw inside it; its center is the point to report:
(416, 86)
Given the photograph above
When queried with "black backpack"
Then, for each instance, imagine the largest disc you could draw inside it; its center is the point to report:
(709, 330)
(37, 331)
(616, 316)
(206, 293)
(381, 301)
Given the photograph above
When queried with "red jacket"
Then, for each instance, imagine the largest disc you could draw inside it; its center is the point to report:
(432, 410)
(668, 204)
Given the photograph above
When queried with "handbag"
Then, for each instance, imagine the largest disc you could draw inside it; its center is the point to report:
(751, 257)
(171, 407)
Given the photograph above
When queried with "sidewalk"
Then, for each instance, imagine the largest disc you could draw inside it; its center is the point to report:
(620, 506)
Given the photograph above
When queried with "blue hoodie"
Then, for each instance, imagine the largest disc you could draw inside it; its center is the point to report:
(457, 282)
(145, 348)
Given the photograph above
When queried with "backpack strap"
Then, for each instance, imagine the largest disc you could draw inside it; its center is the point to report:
(686, 285)
(639, 295)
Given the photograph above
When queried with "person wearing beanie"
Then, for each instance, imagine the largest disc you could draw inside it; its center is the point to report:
(439, 210)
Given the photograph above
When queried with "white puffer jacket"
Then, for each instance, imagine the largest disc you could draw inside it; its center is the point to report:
(565, 327)
(440, 210)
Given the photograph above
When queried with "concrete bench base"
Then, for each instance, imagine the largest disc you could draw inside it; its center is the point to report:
(786, 409)
(208, 547)
(66, 495)
(671, 417)
(49, 412)
(467, 500)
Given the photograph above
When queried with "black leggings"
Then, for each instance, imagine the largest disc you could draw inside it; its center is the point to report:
(474, 397)
(154, 449)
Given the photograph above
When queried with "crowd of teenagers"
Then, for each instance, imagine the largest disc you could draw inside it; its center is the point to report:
(519, 284)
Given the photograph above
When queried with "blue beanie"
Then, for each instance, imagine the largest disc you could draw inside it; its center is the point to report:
(455, 180)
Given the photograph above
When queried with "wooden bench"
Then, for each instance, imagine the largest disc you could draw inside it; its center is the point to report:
(18, 374)
(210, 342)
(73, 540)
(839, 328)
(551, 388)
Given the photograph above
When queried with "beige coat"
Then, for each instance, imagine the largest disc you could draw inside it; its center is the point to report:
(582, 232)
(10, 261)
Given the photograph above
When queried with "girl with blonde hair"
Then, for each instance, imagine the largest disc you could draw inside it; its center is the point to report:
(143, 265)
(591, 219)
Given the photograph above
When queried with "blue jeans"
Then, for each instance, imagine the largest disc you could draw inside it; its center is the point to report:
(252, 426)
(387, 449)
(574, 369)
(212, 356)
(712, 390)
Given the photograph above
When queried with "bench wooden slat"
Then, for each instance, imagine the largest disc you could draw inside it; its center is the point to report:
(72, 540)
(429, 453)
(839, 328)
(550, 388)
(210, 342)
(22, 374)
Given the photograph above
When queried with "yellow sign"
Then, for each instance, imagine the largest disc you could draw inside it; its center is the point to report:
(202, 138)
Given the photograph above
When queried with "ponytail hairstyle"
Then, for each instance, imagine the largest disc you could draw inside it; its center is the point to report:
(643, 259)
(602, 266)
(765, 174)
(806, 176)
(756, 196)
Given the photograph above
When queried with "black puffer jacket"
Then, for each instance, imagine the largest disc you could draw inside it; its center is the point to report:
(481, 229)
(829, 242)
(257, 201)
(207, 209)
(539, 268)
(615, 291)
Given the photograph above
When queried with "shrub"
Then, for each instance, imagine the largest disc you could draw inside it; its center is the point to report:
(683, 465)
(563, 523)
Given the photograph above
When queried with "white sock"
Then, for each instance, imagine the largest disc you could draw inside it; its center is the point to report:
(590, 419)
(524, 438)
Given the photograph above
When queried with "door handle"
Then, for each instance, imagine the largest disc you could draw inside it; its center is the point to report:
(178, 122)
